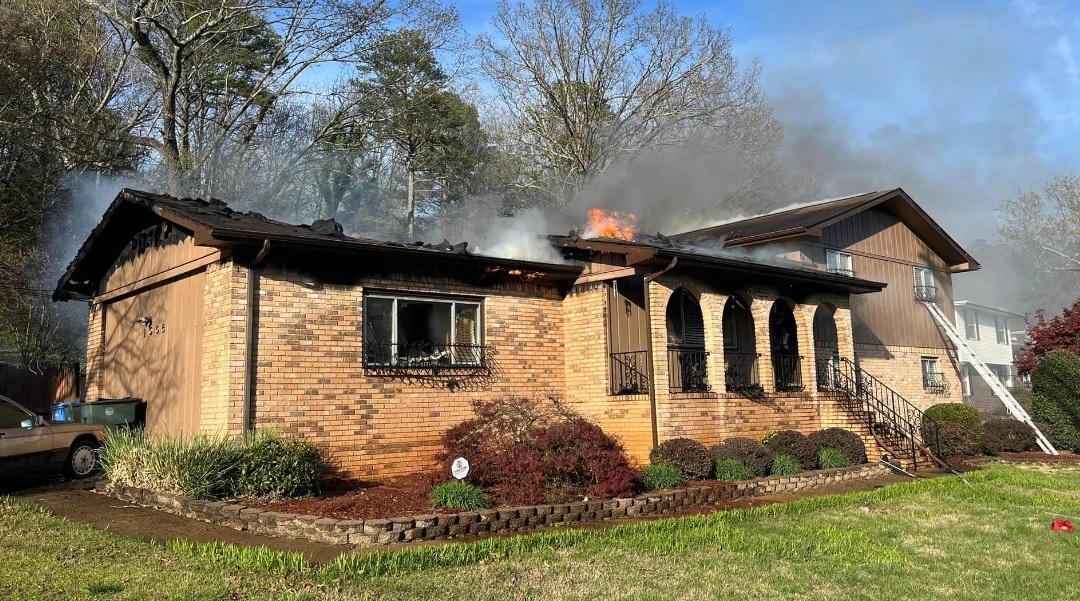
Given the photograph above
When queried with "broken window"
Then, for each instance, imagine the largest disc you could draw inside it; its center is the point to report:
(406, 331)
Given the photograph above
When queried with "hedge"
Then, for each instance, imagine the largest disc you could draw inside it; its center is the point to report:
(686, 455)
(1007, 436)
(1057, 380)
(750, 452)
(795, 445)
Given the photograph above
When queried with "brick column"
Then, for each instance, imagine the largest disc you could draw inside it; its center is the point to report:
(95, 349)
(659, 295)
(224, 348)
(804, 325)
(760, 306)
(712, 309)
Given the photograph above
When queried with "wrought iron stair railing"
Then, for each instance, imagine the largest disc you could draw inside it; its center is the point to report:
(893, 420)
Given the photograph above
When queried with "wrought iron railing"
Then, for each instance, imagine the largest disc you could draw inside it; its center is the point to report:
(935, 383)
(787, 372)
(891, 418)
(826, 364)
(842, 271)
(926, 294)
(741, 371)
(423, 355)
(688, 369)
(630, 372)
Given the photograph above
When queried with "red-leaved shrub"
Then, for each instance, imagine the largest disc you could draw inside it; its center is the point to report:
(527, 451)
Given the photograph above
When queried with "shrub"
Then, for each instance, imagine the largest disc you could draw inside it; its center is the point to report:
(952, 429)
(784, 465)
(953, 412)
(661, 476)
(272, 466)
(688, 456)
(794, 445)
(200, 466)
(747, 450)
(830, 459)
(459, 495)
(733, 470)
(845, 441)
(1055, 423)
(528, 450)
(1057, 380)
(212, 467)
(954, 438)
(1007, 436)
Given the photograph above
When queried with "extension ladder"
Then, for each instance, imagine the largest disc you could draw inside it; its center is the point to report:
(1002, 393)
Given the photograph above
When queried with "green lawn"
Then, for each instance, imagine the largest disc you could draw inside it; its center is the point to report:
(936, 539)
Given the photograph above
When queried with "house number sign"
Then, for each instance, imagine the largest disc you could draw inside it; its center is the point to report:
(155, 329)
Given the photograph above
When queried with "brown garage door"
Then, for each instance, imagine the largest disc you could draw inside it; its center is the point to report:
(160, 362)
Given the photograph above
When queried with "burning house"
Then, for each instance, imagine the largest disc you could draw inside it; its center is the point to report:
(226, 322)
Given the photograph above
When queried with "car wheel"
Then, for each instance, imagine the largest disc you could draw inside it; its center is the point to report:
(82, 459)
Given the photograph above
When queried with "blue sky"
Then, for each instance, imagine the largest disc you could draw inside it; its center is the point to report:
(961, 103)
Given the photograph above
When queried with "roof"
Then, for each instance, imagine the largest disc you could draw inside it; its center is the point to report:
(810, 219)
(213, 223)
(666, 249)
(967, 303)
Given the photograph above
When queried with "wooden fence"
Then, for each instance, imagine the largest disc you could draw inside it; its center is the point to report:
(38, 392)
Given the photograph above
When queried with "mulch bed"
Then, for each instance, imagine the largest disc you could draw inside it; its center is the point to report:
(1040, 457)
(407, 495)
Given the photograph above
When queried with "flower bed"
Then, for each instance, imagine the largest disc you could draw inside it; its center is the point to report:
(429, 526)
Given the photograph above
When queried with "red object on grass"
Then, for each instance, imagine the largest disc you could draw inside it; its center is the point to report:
(1062, 526)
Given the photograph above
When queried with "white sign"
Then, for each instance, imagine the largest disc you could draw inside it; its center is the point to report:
(460, 468)
(109, 411)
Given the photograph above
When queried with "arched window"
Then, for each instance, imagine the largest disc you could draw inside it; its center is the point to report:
(784, 342)
(826, 346)
(686, 344)
(740, 346)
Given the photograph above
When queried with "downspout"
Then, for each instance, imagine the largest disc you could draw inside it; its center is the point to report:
(649, 348)
(250, 343)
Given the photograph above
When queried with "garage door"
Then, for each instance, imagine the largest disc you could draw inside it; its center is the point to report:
(153, 350)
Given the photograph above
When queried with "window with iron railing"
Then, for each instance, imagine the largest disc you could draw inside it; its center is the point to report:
(629, 372)
(933, 380)
(839, 263)
(407, 332)
(688, 369)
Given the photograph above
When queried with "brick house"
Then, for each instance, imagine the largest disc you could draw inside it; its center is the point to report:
(226, 322)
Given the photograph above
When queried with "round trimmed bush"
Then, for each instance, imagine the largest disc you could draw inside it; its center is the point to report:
(747, 450)
(1007, 436)
(661, 476)
(733, 470)
(953, 412)
(953, 439)
(784, 465)
(459, 495)
(845, 441)
(795, 445)
(688, 456)
(831, 459)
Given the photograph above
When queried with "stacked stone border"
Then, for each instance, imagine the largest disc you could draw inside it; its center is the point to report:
(378, 532)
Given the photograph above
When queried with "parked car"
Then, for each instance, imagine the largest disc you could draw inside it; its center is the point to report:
(30, 443)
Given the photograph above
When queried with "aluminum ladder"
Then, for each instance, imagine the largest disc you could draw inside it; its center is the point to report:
(1002, 393)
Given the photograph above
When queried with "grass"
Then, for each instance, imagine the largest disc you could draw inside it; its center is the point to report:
(942, 538)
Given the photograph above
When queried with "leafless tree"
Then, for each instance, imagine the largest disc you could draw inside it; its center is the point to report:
(590, 82)
(1047, 225)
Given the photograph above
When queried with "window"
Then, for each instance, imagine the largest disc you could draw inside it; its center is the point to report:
(11, 416)
(731, 332)
(965, 379)
(404, 331)
(1001, 325)
(933, 379)
(971, 324)
(1002, 373)
(839, 262)
(925, 287)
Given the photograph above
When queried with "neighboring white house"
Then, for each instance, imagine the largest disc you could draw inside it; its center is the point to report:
(991, 333)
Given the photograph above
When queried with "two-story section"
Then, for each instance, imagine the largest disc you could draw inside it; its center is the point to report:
(991, 333)
(882, 236)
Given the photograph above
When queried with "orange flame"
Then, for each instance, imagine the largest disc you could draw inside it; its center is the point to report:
(611, 224)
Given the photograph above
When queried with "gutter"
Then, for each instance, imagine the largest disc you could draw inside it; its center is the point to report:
(250, 342)
(649, 347)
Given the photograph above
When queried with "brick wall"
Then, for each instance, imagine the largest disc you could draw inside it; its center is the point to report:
(588, 384)
(224, 343)
(310, 380)
(900, 368)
